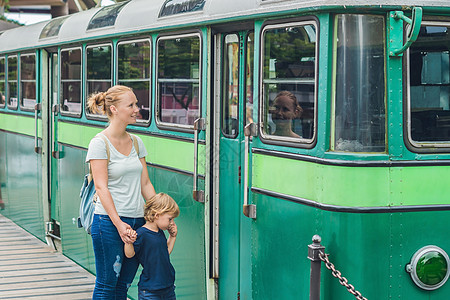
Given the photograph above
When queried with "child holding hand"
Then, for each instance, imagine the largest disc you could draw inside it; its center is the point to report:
(152, 249)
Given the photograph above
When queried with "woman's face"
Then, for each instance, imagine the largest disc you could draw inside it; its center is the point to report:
(126, 109)
(284, 109)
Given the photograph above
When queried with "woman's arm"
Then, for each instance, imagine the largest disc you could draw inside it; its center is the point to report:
(99, 169)
(147, 188)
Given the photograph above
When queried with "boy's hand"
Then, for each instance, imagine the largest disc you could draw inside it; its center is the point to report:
(173, 230)
(132, 235)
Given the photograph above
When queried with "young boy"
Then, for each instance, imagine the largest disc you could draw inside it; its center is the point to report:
(152, 249)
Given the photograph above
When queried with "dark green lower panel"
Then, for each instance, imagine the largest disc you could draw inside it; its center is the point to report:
(371, 250)
(20, 183)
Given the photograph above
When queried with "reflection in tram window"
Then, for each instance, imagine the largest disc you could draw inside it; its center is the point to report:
(134, 71)
(71, 81)
(289, 67)
(2, 81)
(249, 63)
(230, 85)
(178, 80)
(98, 62)
(359, 104)
(28, 80)
(429, 79)
(12, 81)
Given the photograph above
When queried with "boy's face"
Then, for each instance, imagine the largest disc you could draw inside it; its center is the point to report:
(164, 221)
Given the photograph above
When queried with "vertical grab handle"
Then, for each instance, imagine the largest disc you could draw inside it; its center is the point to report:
(198, 195)
(249, 210)
(37, 108)
(55, 153)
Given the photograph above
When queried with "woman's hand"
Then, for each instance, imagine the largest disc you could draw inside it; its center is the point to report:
(124, 229)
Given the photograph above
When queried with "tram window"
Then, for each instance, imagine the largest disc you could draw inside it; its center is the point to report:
(134, 71)
(70, 100)
(12, 81)
(429, 85)
(230, 85)
(98, 61)
(289, 89)
(2, 82)
(359, 99)
(179, 80)
(28, 80)
(249, 63)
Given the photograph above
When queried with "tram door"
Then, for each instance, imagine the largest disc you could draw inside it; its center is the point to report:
(233, 92)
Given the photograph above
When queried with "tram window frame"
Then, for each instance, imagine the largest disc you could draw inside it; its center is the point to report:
(427, 113)
(129, 81)
(23, 83)
(90, 115)
(280, 139)
(174, 126)
(3, 83)
(62, 80)
(8, 82)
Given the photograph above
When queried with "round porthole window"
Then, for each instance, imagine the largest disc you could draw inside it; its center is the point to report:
(429, 267)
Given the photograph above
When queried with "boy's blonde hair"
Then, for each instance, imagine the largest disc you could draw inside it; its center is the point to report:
(160, 204)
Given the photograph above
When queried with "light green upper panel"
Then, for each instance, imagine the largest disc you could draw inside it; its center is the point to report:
(19, 124)
(352, 186)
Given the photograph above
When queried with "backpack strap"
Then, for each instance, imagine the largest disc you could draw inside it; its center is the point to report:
(107, 154)
(135, 143)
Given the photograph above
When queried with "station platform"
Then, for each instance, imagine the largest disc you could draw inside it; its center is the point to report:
(29, 269)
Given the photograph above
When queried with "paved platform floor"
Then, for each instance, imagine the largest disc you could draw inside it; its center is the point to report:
(29, 269)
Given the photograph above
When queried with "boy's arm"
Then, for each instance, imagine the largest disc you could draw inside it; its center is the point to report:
(173, 231)
(129, 250)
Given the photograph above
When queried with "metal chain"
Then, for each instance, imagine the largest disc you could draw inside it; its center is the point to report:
(342, 280)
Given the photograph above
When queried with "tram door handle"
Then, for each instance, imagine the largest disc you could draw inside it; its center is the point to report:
(55, 153)
(37, 109)
(249, 210)
(198, 195)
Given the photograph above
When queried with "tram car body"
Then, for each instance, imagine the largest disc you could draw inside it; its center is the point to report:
(362, 160)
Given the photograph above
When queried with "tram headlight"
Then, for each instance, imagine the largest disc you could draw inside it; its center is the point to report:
(429, 267)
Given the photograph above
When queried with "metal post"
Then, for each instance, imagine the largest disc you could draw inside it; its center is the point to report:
(313, 254)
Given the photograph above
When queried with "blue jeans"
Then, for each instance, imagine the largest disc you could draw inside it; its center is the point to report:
(164, 294)
(115, 272)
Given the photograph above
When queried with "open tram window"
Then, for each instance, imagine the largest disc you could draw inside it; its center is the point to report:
(429, 87)
(28, 81)
(133, 59)
(70, 100)
(289, 82)
(2, 82)
(179, 80)
(98, 62)
(12, 81)
(359, 99)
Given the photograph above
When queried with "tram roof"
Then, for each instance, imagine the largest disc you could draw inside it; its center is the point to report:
(140, 15)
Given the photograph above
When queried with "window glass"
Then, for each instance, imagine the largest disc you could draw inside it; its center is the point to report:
(98, 69)
(52, 28)
(178, 80)
(106, 16)
(289, 81)
(70, 100)
(249, 63)
(28, 80)
(230, 85)
(134, 71)
(2, 81)
(359, 104)
(173, 7)
(12, 81)
(429, 80)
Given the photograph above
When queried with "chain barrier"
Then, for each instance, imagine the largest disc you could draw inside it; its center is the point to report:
(342, 280)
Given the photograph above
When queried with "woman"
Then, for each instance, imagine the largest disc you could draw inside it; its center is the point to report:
(122, 184)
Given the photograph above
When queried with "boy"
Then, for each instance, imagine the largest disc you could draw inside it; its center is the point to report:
(152, 249)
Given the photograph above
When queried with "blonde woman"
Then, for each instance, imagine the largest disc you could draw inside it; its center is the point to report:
(122, 184)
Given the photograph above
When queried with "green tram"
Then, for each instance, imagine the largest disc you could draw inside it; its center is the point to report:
(269, 121)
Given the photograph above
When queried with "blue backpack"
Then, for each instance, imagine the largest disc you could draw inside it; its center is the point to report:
(88, 195)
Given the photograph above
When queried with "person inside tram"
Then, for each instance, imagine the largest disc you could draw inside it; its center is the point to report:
(284, 110)
(122, 185)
